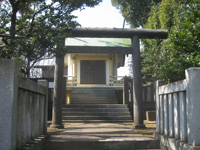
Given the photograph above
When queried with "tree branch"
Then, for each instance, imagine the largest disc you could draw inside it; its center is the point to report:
(33, 62)
(33, 18)
(11, 37)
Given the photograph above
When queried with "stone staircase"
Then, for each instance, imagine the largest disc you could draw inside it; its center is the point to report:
(88, 113)
(95, 105)
(92, 95)
(96, 122)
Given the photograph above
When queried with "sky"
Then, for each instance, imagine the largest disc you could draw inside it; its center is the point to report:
(103, 15)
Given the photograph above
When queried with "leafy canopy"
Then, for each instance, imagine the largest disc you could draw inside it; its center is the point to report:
(30, 29)
(167, 59)
(135, 12)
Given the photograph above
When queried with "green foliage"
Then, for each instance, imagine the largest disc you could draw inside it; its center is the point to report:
(30, 29)
(135, 12)
(168, 59)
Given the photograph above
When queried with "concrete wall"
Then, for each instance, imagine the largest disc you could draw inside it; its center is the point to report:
(23, 107)
(177, 108)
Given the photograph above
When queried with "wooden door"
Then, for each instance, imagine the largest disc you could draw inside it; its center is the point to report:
(93, 72)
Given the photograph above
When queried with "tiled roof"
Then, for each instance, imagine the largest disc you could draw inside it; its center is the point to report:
(108, 42)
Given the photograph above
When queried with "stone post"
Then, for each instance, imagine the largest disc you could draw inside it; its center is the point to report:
(125, 91)
(45, 84)
(64, 90)
(158, 121)
(58, 93)
(137, 83)
(130, 91)
(177, 114)
(8, 103)
(171, 115)
(193, 104)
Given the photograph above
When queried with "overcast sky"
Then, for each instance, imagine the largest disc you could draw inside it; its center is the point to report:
(102, 15)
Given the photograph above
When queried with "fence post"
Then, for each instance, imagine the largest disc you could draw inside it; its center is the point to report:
(193, 103)
(183, 122)
(45, 84)
(8, 103)
(64, 90)
(130, 91)
(125, 91)
(171, 115)
(166, 114)
(158, 84)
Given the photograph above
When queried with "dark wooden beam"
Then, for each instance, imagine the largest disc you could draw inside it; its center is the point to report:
(97, 49)
(119, 33)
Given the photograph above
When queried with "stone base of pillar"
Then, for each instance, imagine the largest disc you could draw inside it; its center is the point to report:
(139, 126)
(156, 135)
(57, 126)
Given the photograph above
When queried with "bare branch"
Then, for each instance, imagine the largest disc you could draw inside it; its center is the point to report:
(35, 61)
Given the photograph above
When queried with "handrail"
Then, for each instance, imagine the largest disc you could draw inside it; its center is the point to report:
(116, 80)
(71, 80)
(113, 80)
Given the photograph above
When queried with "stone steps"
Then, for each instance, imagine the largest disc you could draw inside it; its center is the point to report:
(96, 113)
(97, 121)
(120, 114)
(92, 90)
(137, 144)
(100, 101)
(92, 95)
(95, 105)
(96, 117)
(92, 110)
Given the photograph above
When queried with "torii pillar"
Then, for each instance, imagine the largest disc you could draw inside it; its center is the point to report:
(58, 94)
(59, 90)
(137, 84)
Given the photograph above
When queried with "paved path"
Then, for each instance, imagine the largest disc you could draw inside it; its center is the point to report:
(98, 136)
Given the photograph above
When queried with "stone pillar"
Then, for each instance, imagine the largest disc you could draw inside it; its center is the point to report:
(177, 114)
(58, 93)
(166, 115)
(125, 91)
(130, 91)
(64, 90)
(193, 103)
(171, 115)
(137, 83)
(158, 108)
(8, 103)
(45, 84)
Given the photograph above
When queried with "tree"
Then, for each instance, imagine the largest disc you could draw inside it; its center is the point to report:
(168, 59)
(135, 12)
(30, 29)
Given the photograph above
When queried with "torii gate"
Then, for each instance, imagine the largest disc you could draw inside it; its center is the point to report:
(135, 35)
